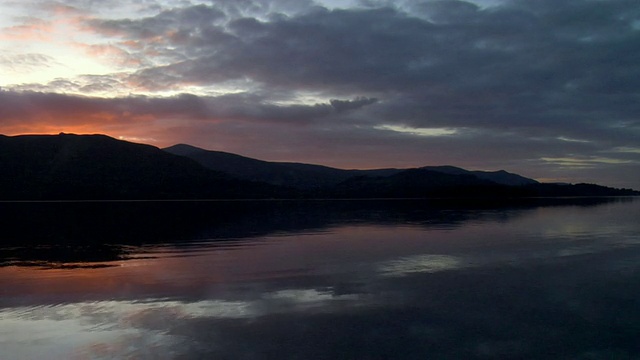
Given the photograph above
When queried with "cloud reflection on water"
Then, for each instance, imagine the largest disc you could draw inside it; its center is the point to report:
(505, 284)
(141, 328)
(420, 263)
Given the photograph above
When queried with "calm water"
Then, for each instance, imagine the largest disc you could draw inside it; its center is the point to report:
(320, 280)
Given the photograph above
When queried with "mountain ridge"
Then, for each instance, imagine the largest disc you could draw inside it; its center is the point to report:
(427, 181)
(69, 166)
(314, 176)
(291, 174)
(99, 167)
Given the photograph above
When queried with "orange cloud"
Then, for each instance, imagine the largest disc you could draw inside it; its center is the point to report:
(111, 54)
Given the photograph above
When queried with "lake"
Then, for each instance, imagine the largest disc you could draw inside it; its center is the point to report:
(404, 279)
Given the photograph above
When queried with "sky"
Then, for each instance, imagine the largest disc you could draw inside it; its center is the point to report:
(548, 89)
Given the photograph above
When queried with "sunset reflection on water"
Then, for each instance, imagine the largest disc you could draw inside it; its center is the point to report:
(366, 287)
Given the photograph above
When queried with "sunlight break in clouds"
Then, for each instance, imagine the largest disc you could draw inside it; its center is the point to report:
(585, 162)
(418, 131)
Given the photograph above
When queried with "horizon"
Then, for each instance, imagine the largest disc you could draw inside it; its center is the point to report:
(315, 164)
(541, 89)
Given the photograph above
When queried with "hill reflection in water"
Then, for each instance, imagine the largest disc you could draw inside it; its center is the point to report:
(56, 233)
(320, 280)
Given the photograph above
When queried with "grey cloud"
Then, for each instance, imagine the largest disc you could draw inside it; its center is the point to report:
(261, 8)
(316, 51)
(99, 83)
(445, 11)
(193, 17)
(345, 105)
(508, 49)
(84, 84)
(25, 62)
(29, 105)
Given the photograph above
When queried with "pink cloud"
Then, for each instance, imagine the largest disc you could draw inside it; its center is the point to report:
(32, 30)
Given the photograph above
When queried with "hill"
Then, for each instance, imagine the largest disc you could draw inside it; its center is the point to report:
(68, 166)
(288, 174)
(313, 177)
(97, 167)
(499, 177)
(429, 181)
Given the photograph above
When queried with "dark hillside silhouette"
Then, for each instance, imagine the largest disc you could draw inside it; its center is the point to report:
(308, 176)
(429, 181)
(500, 177)
(70, 166)
(298, 175)
(97, 167)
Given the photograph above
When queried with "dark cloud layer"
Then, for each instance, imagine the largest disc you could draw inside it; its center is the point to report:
(526, 84)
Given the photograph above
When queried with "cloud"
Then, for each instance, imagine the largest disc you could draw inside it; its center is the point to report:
(25, 62)
(31, 110)
(342, 105)
(30, 29)
(188, 18)
(507, 64)
(112, 54)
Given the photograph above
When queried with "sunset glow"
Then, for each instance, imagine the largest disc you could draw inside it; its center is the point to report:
(523, 86)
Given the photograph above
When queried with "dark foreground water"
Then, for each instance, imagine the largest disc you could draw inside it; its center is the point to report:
(320, 280)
